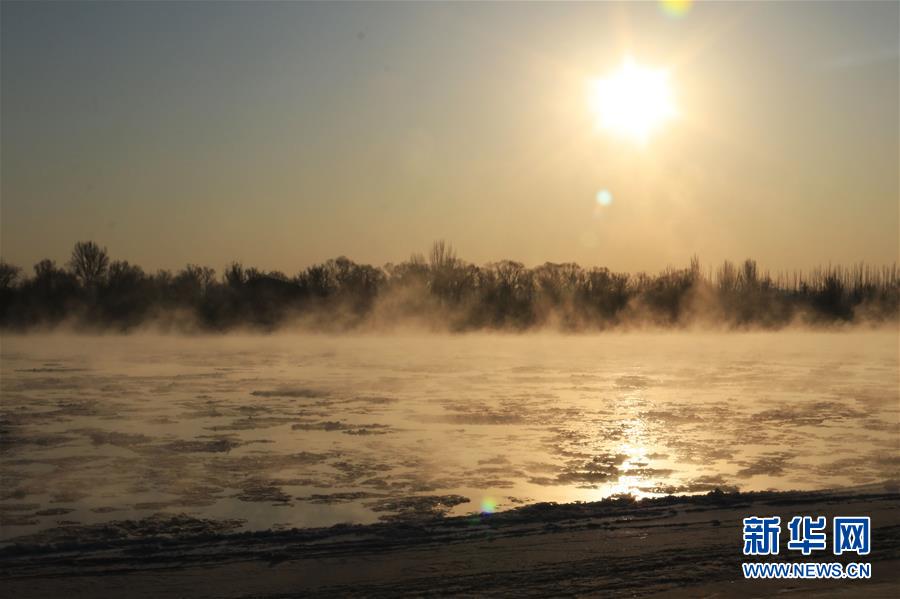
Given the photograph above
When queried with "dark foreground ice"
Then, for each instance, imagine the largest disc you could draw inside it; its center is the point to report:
(674, 546)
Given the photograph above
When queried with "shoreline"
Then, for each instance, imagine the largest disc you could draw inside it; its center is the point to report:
(674, 544)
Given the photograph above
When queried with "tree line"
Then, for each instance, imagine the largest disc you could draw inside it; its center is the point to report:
(439, 291)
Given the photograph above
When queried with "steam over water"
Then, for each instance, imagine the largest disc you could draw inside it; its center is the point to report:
(313, 430)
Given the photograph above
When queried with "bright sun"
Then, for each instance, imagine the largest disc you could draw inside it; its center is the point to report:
(633, 101)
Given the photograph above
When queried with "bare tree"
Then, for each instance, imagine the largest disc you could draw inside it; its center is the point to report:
(442, 256)
(200, 278)
(89, 263)
(235, 277)
(44, 269)
(750, 275)
(8, 274)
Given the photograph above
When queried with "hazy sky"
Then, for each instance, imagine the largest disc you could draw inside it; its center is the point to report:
(287, 133)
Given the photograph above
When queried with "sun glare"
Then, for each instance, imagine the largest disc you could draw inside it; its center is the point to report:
(633, 101)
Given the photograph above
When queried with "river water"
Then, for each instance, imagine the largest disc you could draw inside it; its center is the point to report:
(303, 430)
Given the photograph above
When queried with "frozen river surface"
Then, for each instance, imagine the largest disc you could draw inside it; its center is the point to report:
(292, 430)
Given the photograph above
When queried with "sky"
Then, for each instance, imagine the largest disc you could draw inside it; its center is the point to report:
(283, 134)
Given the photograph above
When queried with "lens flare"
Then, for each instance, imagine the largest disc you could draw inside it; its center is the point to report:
(604, 197)
(488, 505)
(676, 8)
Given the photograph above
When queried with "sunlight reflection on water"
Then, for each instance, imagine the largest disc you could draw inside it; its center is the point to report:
(306, 431)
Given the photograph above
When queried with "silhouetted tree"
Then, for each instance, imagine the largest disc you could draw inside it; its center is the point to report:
(235, 277)
(127, 295)
(440, 289)
(89, 262)
(8, 275)
(51, 295)
(442, 256)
